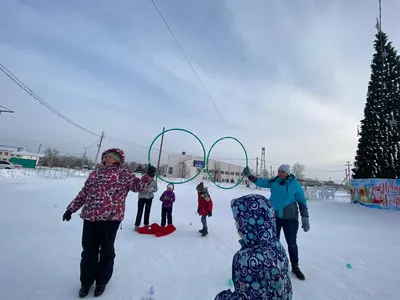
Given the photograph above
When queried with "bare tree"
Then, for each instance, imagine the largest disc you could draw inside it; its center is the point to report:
(216, 171)
(184, 169)
(163, 170)
(298, 170)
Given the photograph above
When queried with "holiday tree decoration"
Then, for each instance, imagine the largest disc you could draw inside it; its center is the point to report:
(379, 143)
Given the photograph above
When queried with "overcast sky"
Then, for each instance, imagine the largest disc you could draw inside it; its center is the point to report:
(287, 76)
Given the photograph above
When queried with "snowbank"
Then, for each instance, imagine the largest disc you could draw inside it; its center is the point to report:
(17, 173)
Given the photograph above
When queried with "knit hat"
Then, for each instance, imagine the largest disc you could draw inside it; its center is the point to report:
(284, 168)
(115, 155)
(170, 186)
(200, 187)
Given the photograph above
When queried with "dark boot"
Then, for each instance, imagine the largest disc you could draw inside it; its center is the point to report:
(296, 270)
(99, 290)
(204, 233)
(201, 230)
(84, 291)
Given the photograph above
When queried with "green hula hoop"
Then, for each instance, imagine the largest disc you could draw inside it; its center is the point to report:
(208, 156)
(177, 129)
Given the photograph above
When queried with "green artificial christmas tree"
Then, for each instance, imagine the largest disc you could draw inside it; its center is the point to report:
(378, 148)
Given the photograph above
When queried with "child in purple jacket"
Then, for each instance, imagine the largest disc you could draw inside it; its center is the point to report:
(167, 198)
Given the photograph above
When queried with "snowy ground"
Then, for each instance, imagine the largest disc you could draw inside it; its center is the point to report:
(40, 254)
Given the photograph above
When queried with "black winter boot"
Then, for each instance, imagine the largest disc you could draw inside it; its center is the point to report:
(99, 290)
(296, 270)
(204, 232)
(84, 291)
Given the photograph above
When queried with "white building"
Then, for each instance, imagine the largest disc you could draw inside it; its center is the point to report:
(186, 166)
(8, 152)
(27, 155)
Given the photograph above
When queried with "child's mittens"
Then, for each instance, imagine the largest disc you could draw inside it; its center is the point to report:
(198, 210)
(210, 214)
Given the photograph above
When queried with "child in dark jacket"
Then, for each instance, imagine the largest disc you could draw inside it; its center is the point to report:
(167, 198)
(260, 269)
(205, 207)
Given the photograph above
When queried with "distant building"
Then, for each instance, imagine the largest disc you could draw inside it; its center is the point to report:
(20, 156)
(6, 152)
(186, 166)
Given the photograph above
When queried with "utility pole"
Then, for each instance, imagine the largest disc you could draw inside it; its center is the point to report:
(40, 147)
(257, 167)
(84, 157)
(99, 147)
(270, 173)
(348, 169)
(262, 166)
(159, 153)
(348, 173)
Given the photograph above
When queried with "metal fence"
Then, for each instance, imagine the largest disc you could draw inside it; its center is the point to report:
(60, 173)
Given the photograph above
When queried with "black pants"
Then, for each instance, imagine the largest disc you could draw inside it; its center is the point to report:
(204, 222)
(98, 253)
(146, 205)
(166, 213)
(290, 229)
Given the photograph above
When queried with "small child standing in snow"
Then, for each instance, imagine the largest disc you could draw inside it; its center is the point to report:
(167, 198)
(205, 207)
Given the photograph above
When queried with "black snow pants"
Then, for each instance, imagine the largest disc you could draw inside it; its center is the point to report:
(290, 229)
(166, 214)
(98, 253)
(146, 205)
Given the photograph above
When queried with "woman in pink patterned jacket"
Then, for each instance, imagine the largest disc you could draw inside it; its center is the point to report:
(102, 199)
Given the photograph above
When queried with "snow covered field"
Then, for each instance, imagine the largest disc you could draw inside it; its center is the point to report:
(40, 254)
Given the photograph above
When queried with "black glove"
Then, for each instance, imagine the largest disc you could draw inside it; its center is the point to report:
(210, 214)
(246, 172)
(67, 215)
(151, 171)
(198, 210)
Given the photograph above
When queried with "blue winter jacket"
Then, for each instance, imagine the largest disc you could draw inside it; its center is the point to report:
(286, 196)
(260, 269)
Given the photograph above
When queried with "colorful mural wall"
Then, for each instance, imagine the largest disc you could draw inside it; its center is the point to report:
(376, 193)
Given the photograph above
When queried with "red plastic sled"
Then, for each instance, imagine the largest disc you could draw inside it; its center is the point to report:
(157, 230)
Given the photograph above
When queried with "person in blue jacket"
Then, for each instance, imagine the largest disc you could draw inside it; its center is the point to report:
(287, 198)
(260, 269)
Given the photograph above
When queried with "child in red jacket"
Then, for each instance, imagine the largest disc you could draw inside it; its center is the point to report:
(205, 206)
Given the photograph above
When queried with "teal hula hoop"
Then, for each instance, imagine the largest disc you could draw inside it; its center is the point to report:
(208, 156)
(177, 129)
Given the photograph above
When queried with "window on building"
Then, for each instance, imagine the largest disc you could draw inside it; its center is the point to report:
(204, 170)
(226, 173)
(237, 174)
(1, 152)
(6, 153)
(170, 170)
(232, 173)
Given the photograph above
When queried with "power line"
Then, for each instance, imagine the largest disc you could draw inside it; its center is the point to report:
(15, 79)
(191, 65)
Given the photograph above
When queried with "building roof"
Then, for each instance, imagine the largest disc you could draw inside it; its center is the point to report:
(10, 148)
(26, 153)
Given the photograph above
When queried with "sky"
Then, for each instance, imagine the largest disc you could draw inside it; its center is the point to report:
(282, 75)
